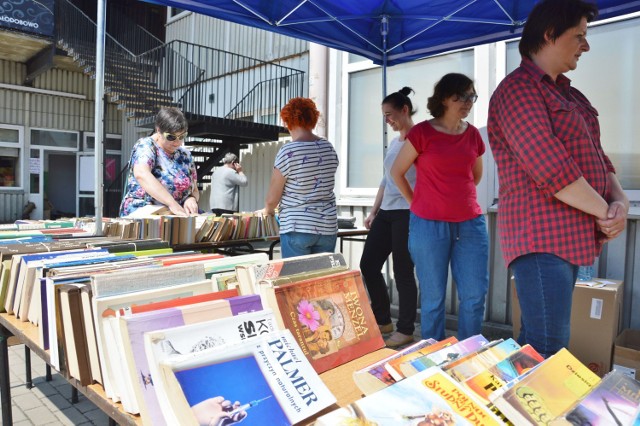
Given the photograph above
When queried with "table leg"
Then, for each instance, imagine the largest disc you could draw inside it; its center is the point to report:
(5, 378)
(74, 395)
(47, 376)
(27, 366)
(271, 247)
(629, 271)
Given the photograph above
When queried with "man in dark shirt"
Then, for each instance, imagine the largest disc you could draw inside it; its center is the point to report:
(559, 196)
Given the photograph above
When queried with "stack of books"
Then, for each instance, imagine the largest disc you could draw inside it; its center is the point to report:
(156, 222)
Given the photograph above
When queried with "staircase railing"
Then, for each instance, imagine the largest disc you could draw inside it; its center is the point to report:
(216, 83)
(123, 29)
(261, 97)
(128, 81)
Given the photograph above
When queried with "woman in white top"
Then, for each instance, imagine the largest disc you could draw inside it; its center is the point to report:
(388, 224)
(302, 184)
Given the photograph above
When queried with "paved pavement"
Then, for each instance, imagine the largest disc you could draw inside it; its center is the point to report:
(47, 403)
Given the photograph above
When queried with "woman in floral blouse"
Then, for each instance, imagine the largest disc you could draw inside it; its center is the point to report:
(161, 170)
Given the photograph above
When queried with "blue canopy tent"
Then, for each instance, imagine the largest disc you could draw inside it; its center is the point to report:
(388, 32)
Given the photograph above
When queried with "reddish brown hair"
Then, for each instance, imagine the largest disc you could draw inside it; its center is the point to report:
(300, 112)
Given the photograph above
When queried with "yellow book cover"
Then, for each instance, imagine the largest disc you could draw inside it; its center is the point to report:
(548, 391)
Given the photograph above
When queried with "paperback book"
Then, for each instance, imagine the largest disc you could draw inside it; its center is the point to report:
(269, 376)
(159, 345)
(614, 401)
(476, 362)
(416, 351)
(547, 391)
(429, 397)
(444, 355)
(329, 316)
(495, 377)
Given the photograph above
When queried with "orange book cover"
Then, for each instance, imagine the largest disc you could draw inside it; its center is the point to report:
(174, 260)
(183, 301)
(330, 318)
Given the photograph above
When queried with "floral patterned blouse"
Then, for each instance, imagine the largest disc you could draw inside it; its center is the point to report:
(177, 173)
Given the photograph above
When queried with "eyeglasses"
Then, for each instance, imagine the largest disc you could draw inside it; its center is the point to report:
(467, 97)
(171, 137)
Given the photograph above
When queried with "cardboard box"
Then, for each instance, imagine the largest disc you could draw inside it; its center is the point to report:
(596, 315)
(626, 353)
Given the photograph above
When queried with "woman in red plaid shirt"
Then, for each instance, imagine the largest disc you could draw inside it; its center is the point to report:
(559, 195)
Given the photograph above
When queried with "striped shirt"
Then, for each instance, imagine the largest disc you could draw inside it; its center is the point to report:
(545, 135)
(308, 203)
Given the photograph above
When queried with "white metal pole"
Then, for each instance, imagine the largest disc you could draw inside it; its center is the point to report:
(99, 113)
(384, 31)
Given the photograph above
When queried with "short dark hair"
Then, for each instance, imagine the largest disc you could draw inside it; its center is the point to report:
(452, 84)
(170, 119)
(553, 18)
(399, 99)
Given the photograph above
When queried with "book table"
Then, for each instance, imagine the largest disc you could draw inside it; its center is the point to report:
(339, 380)
(247, 246)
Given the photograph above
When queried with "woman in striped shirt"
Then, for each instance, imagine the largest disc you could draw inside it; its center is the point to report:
(302, 184)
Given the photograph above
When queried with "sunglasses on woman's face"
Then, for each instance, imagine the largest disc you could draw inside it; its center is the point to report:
(172, 138)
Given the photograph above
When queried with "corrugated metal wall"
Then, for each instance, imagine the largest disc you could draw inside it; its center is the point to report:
(236, 38)
(11, 205)
(52, 111)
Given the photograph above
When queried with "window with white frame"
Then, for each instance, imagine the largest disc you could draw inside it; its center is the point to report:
(54, 138)
(364, 132)
(175, 13)
(608, 76)
(10, 156)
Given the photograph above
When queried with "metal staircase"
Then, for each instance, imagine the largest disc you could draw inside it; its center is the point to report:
(229, 99)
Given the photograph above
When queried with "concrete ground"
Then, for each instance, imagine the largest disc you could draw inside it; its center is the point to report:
(47, 403)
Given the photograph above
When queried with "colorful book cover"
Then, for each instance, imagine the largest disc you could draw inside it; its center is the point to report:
(430, 345)
(547, 391)
(268, 376)
(375, 376)
(614, 401)
(429, 397)
(444, 355)
(330, 317)
(486, 382)
(160, 344)
(476, 362)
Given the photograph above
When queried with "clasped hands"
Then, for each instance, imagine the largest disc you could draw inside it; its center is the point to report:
(615, 222)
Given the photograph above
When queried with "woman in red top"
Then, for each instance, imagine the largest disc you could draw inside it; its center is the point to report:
(447, 226)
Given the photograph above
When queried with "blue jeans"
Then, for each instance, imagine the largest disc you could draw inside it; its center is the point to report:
(544, 283)
(301, 243)
(465, 245)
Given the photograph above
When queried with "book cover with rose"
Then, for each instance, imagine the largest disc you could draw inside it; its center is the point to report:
(329, 316)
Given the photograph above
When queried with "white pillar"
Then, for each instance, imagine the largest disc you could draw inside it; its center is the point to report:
(318, 83)
(99, 112)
